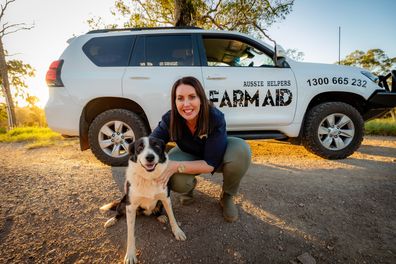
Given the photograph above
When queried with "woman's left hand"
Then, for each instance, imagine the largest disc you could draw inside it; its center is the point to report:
(168, 172)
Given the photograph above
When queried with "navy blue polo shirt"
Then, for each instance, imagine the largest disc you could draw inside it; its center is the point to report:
(210, 149)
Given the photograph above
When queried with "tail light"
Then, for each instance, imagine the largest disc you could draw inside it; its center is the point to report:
(53, 76)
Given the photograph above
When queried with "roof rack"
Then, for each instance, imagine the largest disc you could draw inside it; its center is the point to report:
(138, 29)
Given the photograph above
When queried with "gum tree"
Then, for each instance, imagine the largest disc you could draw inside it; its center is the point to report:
(16, 67)
(253, 16)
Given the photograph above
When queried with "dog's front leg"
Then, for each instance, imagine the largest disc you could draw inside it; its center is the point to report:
(177, 232)
(130, 256)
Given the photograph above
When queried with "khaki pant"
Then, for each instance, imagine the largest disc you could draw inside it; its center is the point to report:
(235, 163)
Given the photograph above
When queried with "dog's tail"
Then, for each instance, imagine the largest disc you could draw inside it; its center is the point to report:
(110, 206)
(118, 206)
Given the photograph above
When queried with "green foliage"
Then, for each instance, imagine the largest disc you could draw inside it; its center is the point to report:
(3, 115)
(26, 116)
(30, 116)
(30, 134)
(374, 60)
(381, 127)
(252, 16)
(295, 54)
(17, 72)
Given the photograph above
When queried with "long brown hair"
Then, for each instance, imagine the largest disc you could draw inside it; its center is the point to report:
(177, 120)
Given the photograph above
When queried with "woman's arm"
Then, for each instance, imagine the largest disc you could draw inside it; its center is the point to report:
(187, 167)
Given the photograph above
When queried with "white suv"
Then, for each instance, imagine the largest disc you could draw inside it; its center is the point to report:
(110, 87)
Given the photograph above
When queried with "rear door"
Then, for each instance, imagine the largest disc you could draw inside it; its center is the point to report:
(157, 62)
(241, 79)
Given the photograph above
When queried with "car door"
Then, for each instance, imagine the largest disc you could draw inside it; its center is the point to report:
(157, 61)
(241, 79)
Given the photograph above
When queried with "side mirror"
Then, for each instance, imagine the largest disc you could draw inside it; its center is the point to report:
(280, 55)
(280, 51)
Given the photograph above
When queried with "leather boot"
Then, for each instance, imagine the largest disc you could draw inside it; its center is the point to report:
(187, 198)
(230, 211)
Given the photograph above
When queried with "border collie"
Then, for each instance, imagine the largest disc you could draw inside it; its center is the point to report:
(142, 193)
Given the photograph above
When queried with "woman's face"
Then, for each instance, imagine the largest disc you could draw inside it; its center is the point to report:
(187, 102)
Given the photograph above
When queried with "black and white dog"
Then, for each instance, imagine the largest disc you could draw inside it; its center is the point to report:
(147, 161)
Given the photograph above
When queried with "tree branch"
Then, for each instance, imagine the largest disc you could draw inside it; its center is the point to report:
(4, 31)
(215, 9)
(263, 32)
(145, 10)
(213, 21)
(3, 8)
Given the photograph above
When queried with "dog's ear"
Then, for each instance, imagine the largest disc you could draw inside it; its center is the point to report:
(132, 153)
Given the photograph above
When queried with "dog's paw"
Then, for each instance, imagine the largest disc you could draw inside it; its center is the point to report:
(130, 258)
(110, 222)
(162, 219)
(179, 234)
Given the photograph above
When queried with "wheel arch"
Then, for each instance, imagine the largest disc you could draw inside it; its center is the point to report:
(356, 100)
(99, 105)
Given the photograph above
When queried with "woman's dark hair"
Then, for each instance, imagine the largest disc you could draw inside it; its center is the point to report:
(177, 120)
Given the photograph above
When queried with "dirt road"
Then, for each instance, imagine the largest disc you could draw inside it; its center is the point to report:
(291, 202)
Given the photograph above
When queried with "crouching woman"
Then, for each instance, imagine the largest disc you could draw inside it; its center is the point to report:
(199, 130)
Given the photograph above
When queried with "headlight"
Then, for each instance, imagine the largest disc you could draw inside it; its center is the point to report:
(371, 76)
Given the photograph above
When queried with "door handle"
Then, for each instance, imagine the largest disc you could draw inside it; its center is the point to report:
(216, 78)
(139, 78)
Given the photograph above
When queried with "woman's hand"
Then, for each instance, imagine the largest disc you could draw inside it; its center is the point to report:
(168, 172)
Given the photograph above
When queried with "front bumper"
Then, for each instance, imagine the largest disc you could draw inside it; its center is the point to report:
(379, 103)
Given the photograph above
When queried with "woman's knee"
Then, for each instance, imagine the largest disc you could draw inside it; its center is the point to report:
(182, 183)
(237, 150)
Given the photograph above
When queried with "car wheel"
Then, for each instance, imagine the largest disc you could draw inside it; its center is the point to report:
(333, 130)
(110, 134)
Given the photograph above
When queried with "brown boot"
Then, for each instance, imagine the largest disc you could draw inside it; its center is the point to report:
(187, 198)
(230, 211)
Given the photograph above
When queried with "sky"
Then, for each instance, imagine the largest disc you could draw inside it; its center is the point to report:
(312, 28)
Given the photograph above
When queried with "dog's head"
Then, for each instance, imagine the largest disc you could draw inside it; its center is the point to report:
(149, 153)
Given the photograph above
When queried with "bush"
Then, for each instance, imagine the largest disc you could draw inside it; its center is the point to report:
(381, 127)
(30, 134)
(32, 116)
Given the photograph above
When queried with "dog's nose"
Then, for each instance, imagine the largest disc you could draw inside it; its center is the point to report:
(150, 157)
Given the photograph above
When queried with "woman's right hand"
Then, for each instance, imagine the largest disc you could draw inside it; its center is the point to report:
(168, 172)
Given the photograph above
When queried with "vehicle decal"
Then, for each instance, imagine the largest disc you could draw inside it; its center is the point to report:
(337, 80)
(269, 83)
(240, 98)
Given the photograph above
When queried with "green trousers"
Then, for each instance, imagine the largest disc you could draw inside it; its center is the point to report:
(235, 163)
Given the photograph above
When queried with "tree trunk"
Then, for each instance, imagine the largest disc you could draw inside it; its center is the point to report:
(5, 86)
(184, 11)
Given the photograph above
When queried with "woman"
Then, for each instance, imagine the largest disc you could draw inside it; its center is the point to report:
(199, 130)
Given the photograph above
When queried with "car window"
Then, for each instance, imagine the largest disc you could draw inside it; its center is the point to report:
(176, 50)
(234, 53)
(109, 51)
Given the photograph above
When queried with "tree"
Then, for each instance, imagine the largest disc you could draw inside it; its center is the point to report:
(17, 71)
(7, 29)
(252, 16)
(295, 54)
(375, 61)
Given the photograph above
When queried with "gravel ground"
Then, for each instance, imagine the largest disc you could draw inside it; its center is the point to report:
(291, 202)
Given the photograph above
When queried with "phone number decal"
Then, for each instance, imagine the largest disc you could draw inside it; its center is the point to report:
(336, 80)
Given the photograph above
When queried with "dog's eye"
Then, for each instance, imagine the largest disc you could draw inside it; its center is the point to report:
(139, 148)
(156, 145)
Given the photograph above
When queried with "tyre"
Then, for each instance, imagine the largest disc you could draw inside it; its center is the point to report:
(110, 134)
(333, 130)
